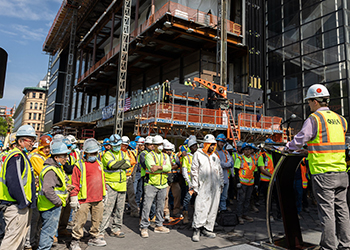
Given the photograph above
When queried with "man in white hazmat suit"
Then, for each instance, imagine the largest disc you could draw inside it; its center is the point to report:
(207, 182)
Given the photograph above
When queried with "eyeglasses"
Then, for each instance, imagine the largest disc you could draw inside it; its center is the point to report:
(32, 141)
(63, 156)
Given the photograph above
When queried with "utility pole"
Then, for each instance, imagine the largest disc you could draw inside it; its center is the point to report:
(123, 66)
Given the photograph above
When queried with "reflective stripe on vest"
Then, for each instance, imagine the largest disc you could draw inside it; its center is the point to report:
(246, 175)
(329, 141)
(45, 204)
(26, 177)
(156, 179)
(38, 155)
(303, 172)
(268, 167)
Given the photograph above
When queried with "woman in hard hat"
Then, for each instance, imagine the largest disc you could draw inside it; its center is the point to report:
(207, 182)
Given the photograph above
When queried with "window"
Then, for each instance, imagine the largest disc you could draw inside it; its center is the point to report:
(41, 95)
(34, 116)
(39, 117)
(36, 105)
(41, 106)
(38, 127)
(33, 125)
(31, 105)
(33, 94)
(30, 116)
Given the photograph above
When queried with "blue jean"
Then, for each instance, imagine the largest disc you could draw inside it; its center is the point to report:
(50, 219)
(298, 191)
(187, 200)
(223, 197)
(138, 188)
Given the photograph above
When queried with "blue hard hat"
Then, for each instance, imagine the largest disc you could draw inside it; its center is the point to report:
(58, 148)
(106, 142)
(253, 146)
(132, 144)
(115, 140)
(137, 138)
(246, 145)
(269, 140)
(239, 144)
(183, 148)
(221, 137)
(186, 141)
(67, 142)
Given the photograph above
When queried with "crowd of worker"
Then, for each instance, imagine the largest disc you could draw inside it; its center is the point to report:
(42, 190)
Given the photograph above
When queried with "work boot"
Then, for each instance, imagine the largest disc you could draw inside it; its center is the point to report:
(144, 233)
(118, 234)
(161, 230)
(208, 234)
(196, 234)
(240, 220)
(247, 218)
(254, 208)
(97, 242)
(185, 220)
(74, 245)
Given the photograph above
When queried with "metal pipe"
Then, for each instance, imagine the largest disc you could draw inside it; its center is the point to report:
(112, 32)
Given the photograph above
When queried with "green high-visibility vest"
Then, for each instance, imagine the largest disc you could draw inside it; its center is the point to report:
(44, 203)
(26, 177)
(327, 150)
(143, 171)
(82, 195)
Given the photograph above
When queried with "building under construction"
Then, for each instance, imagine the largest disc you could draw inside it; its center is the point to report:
(169, 67)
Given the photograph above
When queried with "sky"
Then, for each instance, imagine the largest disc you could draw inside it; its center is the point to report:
(24, 25)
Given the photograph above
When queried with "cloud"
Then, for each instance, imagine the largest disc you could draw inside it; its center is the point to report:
(29, 33)
(26, 9)
(8, 32)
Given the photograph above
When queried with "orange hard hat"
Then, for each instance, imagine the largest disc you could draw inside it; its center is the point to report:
(44, 141)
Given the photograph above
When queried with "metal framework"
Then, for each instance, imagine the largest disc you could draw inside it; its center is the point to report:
(123, 65)
(69, 76)
(221, 46)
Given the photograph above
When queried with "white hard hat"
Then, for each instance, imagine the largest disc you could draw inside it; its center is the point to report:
(26, 130)
(157, 139)
(12, 138)
(148, 139)
(125, 140)
(36, 145)
(91, 146)
(58, 137)
(141, 140)
(209, 138)
(191, 142)
(72, 139)
(161, 147)
(58, 148)
(165, 141)
(229, 147)
(167, 145)
(317, 91)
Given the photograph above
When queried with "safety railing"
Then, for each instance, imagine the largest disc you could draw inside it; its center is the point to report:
(253, 122)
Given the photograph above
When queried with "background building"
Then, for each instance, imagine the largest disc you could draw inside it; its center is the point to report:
(307, 43)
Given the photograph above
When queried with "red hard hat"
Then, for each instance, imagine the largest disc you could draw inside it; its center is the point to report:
(44, 141)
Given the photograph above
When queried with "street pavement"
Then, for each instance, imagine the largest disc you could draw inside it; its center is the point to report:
(247, 236)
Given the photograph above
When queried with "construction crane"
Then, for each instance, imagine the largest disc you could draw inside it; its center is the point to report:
(123, 66)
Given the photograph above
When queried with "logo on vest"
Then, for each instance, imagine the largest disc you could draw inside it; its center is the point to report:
(333, 121)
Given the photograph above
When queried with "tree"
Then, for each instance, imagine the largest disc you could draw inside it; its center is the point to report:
(3, 126)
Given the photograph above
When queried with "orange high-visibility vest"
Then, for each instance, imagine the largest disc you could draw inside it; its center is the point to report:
(246, 175)
(303, 172)
(268, 167)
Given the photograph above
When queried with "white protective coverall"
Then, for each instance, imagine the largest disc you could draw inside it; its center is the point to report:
(207, 181)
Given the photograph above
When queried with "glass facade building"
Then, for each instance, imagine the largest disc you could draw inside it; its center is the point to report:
(307, 42)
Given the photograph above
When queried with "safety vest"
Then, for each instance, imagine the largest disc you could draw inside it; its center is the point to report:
(327, 149)
(187, 163)
(27, 177)
(268, 167)
(82, 195)
(173, 161)
(115, 178)
(246, 175)
(303, 172)
(157, 179)
(45, 204)
(130, 153)
(37, 155)
(143, 171)
(188, 83)
(226, 159)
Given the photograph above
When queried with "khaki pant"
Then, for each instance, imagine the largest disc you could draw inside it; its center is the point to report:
(176, 191)
(80, 219)
(17, 224)
(131, 194)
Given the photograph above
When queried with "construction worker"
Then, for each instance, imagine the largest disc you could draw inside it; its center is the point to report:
(142, 163)
(138, 181)
(324, 132)
(226, 162)
(88, 178)
(37, 159)
(53, 193)
(207, 181)
(130, 176)
(75, 150)
(188, 82)
(17, 189)
(173, 184)
(246, 180)
(156, 183)
(115, 162)
(105, 147)
(186, 173)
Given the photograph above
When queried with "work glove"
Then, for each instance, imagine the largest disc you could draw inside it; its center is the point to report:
(105, 198)
(74, 203)
(239, 185)
(256, 187)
